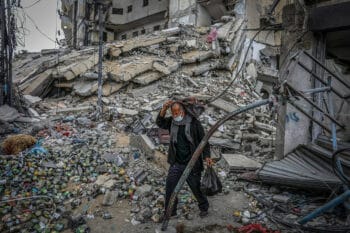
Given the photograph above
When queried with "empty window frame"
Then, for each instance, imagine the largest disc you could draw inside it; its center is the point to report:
(156, 28)
(123, 37)
(135, 34)
(129, 8)
(117, 11)
(145, 2)
(143, 31)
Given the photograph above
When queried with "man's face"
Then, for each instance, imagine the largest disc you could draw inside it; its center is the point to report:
(176, 111)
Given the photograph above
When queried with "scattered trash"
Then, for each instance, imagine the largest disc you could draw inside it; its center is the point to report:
(255, 227)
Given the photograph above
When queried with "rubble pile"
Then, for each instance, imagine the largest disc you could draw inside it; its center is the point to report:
(77, 158)
(74, 162)
(141, 73)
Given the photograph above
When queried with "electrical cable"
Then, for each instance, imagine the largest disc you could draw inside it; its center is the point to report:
(337, 166)
(239, 71)
(38, 29)
(31, 5)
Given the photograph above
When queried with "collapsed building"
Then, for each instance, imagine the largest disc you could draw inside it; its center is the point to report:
(155, 50)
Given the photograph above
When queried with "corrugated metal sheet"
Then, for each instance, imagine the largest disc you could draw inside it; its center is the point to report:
(307, 167)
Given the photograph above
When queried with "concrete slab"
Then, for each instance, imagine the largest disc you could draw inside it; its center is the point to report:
(167, 66)
(130, 70)
(144, 90)
(85, 88)
(223, 105)
(29, 99)
(125, 111)
(144, 143)
(196, 56)
(8, 113)
(111, 87)
(238, 162)
(224, 31)
(147, 77)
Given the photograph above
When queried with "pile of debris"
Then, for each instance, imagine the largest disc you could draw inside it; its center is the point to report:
(78, 158)
(141, 73)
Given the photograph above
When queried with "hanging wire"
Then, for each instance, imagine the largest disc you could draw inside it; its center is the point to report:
(31, 5)
(37, 28)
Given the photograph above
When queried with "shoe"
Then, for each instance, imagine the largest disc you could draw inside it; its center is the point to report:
(162, 217)
(203, 213)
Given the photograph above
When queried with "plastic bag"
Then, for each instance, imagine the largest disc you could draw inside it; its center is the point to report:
(211, 184)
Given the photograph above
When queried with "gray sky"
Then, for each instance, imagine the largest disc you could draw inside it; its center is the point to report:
(45, 16)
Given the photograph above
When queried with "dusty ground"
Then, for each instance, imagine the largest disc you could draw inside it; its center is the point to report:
(220, 215)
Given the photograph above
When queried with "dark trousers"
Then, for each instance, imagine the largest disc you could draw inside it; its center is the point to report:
(193, 180)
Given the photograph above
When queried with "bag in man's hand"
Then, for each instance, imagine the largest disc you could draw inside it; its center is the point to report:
(211, 184)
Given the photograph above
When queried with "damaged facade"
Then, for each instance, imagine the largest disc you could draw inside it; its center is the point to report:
(128, 19)
(227, 54)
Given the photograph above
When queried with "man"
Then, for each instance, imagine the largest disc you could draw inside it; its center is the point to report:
(186, 132)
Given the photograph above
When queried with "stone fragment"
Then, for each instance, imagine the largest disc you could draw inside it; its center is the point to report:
(144, 143)
(147, 77)
(281, 198)
(8, 113)
(125, 111)
(144, 190)
(224, 105)
(110, 88)
(101, 179)
(31, 100)
(109, 184)
(109, 198)
(166, 66)
(196, 56)
(85, 88)
(225, 30)
(239, 162)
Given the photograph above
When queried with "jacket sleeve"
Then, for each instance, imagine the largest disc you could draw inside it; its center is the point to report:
(163, 122)
(201, 134)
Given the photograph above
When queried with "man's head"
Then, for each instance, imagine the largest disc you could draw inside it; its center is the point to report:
(177, 111)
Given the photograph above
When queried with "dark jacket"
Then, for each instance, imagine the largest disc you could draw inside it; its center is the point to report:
(197, 133)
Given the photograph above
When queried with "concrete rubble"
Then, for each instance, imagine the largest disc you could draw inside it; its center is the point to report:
(80, 160)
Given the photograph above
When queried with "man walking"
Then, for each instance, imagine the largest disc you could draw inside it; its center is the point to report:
(186, 132)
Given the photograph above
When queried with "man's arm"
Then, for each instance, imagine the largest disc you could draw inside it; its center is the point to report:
(162, 121)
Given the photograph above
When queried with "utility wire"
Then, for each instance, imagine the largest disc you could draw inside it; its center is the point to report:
(38, 29)
(240, 69)
(33, 4)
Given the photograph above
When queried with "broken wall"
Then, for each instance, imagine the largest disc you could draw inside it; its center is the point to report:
(187, 12)
(293, 126)
(138, 10)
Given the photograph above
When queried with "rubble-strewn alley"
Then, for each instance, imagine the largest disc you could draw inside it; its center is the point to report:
(71, 164)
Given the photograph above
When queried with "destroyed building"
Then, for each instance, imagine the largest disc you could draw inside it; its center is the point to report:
(128, 19)
(83, 172)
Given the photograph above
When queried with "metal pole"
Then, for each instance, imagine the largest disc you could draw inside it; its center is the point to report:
(331, 112)
(316, 90)
(199, 151)
(319, 79)
(10, 52)
(330, 116)
(333, 203)
(328, 70)
(2, 52)
(100, 53)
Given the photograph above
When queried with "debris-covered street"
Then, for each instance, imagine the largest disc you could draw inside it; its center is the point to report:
(236, 112)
